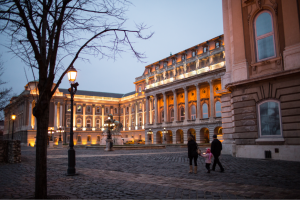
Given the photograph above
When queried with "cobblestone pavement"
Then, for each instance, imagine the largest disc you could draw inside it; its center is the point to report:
(151, 174)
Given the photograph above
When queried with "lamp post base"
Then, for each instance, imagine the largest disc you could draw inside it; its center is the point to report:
(109, 145)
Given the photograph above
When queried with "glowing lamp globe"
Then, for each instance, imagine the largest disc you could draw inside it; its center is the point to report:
(72, 74)
(13, 117)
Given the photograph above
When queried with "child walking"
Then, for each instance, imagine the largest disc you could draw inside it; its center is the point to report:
(207, 157)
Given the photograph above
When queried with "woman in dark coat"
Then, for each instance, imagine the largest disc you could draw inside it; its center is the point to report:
(192, 153)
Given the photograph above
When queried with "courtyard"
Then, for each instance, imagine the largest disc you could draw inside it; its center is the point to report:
(150, 174)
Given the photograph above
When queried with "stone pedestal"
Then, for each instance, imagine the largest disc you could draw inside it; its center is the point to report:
(108, 144)
(59, 145)
(51, 144)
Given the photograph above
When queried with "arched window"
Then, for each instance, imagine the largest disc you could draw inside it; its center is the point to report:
(162, 116)
(88, 123)
(205, 110)
(269, 118)
(78, 123)
(68, 122)
(218, 109)
(182, 113)
(172, 115)
(193, 112)
(98, 123)
(264, 36)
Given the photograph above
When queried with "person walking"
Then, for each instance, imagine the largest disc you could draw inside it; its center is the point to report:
(192, 154)
(216, 148)
(208, 155)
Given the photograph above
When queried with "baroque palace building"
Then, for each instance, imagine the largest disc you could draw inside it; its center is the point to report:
(177, 94)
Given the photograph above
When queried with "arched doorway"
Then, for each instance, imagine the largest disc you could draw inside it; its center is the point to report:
(219, 132)
(204, 135)
(169, 138)
(191, 132)
(159, 138)
(179, 136)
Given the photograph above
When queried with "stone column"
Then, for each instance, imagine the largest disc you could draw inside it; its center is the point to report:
(154, 137)
(143, 112)
(147, 110)
(29, 115)
(165, 107)
(94, 110)
(129, 118)
(156, 109)
(150, 112)
(174, 136)
(83, 116)
(124, 118)
(198, 103)
(211, 99)
(102, 110)
(186, 101)
(55, 115)
(61, 115)
(175, 106)
(185, 139)
(137, 119)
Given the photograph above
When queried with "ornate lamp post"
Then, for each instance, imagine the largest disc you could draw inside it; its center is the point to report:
(13, 117)
(51, 138)
(60, 130)
(150, 133)
(109, 124)
(72, 74)
(164, 132)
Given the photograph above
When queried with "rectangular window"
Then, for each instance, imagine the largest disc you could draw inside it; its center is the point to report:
(98, 109)
(89, 138)
(265, 47)
(79, 109)
(69, 108)
(270, 122)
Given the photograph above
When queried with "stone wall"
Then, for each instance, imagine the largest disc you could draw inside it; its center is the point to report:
(10, 151)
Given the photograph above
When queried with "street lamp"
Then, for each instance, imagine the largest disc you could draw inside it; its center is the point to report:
(13, 117)
(72, 74)
(59, 130)
(51, 132)
(109, 124)
(150, 131)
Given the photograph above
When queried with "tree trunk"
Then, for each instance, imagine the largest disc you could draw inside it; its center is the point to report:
(41, 152)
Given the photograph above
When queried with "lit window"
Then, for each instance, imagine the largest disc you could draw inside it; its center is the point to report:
(264, 33)
(193, 112)
(68, 122)
(98, 138)
(98, 110)
(182, 114)
(89, 138)
(79, 108)
(98, 123)
(269, 118)
(140, 89)
(88, 109)
(172, 115)
(88, 123)
(78, 123)
(140, 106)
(218, 109)
(69, 108)
(205, 110)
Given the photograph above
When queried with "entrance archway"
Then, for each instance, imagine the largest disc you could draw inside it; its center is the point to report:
(219, 132)
(191, 132)
(179, 136)
(159, 137)
(169, 137)
(204, 135)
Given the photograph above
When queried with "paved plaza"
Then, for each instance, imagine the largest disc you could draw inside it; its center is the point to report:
(151, 174)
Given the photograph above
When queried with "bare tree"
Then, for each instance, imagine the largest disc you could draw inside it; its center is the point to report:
(4, 92)
(44, 32)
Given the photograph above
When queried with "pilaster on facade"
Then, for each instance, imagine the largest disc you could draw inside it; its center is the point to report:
(211, 92)
(186, 103)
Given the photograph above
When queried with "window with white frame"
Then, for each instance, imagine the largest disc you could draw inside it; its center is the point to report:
(182, 113)
(140, 89)
(218, 109)
(69, 108)
(205, 110)
(269, 118)
(217, 44)
(88, 123)
(204, 49)
(68, 122)
(194, 53)
(78, 123)
(98, 123)
(79, 109)
(172, 115)
(193, 112)
(264, 36)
